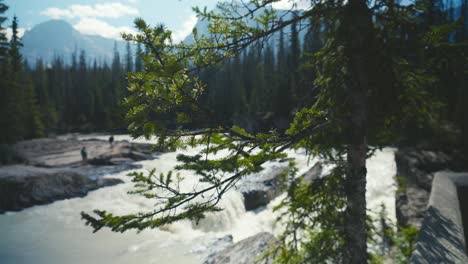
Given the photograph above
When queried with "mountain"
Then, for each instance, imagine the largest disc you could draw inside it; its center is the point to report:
(58, 38)
(202, 26)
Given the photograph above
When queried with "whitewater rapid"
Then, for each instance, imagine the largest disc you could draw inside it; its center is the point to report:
(55, 233)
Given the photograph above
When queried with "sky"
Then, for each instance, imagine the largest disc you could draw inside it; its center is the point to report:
(108, 18)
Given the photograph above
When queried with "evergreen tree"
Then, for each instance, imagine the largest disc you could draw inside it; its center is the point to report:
(20, 116)
(5, 134)
(283, 98)
(138, 61)
(15, 45)
(269, 73)
(116, 76)
(293, 66)
(463, 31)
(3, 39)
(129, 58)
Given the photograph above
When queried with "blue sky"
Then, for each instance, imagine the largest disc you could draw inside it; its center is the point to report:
(109, 17)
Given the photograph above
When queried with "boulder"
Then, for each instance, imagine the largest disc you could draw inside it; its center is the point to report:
(313, 173)
(259, 189)
(210, 248)
(411, 202)
(418, 166)
(415, 171)
(247, 251)
(25, 186)
(53, 169)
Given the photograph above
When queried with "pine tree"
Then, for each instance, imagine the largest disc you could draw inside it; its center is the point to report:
(269, 73)
(3, 39)
(5, 114)
(463, 32)
(283, 97)
(85, 106)
(129, 58)
(21, 117)
(116, 76)
(293, 66)
(15, 45)
(138, 61)
(359, 105)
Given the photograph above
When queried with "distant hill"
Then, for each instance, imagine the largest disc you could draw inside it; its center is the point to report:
(58, 38)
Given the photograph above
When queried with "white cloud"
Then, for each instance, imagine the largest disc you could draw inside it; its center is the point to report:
(93, 26)
(288, 4)
(109, 10)
(132, 1)
(9, 32)
(187, 27)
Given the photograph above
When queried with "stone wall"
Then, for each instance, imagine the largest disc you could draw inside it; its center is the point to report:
(441, 238)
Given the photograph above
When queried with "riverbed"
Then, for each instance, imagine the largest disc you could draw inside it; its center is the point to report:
(55, 233)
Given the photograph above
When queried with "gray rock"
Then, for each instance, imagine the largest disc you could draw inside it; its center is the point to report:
(411, 205)
(54, 169)
(53, 152)
(415, 169)
(246, 251)
(441, 238)
(210, 248)
(313, 173)
(259, 189)
(25, 186)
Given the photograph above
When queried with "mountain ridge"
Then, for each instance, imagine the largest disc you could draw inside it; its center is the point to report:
(57, 38)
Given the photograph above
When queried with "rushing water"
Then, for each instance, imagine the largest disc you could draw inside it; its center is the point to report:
(55, 233)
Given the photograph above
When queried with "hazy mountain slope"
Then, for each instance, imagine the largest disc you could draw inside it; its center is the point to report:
(58, 38)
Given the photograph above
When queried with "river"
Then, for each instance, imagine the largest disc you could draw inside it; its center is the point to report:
(55, 233)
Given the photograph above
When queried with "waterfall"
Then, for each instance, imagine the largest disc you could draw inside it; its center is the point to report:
(55, 233)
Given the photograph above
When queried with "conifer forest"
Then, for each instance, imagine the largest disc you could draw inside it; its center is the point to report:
(234, 131)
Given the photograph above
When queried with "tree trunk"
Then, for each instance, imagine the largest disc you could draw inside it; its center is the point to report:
(357, 37)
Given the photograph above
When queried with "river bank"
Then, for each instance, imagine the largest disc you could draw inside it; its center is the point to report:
(68, 240)
(53, 169)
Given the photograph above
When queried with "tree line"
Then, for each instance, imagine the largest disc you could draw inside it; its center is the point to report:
(55, 97)
(385, 73)
(83, 96)
(260, 88)
(264, 86)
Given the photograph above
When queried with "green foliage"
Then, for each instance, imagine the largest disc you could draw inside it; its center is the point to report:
(405, 241)
(19, 117)
(401, 184)
(3, 39)
(168, 100)
(313, 216)
(391, 241)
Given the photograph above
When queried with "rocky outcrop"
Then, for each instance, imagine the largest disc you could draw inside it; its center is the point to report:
(211, 247)
(26, 186)
(441, 237)
(415, 172)
(51, 152)
(259, 189)
(247, 251)
(53, 169)
(313, 173)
